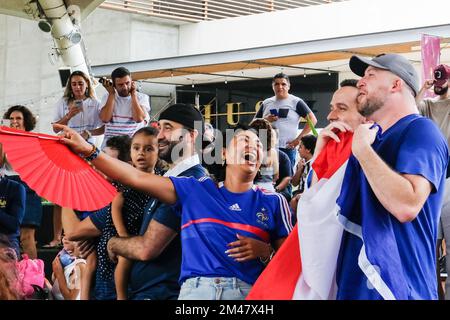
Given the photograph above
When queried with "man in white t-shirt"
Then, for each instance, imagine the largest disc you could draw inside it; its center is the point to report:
(123, 109)
(284, 111)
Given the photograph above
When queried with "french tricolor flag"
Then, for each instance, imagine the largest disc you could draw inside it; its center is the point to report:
(317, 236)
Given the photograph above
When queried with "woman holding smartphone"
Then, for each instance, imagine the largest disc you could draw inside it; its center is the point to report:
(79, 110)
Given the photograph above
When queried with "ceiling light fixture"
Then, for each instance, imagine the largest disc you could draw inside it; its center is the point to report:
(44, 25)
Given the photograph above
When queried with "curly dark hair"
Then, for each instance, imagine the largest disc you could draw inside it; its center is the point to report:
(121, 144)
(29, 120)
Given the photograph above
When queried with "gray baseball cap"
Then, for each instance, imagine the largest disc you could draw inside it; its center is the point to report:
(394, 63)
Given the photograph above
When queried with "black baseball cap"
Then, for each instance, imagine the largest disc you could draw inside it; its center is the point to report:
(394, 63)
(184, 114)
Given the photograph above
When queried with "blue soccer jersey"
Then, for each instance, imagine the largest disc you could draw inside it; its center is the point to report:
(212, 216)
(404, 255)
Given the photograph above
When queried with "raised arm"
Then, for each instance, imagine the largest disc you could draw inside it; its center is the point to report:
(156, 186)
(405, 194)
(106, 112)
(426, 86)
(137, 110)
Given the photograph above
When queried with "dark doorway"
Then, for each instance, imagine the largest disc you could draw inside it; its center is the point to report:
(243, 97)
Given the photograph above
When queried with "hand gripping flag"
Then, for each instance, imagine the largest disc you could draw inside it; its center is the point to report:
(371, 260)
(304, 267)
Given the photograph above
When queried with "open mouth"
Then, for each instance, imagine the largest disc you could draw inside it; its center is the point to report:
(250, 157)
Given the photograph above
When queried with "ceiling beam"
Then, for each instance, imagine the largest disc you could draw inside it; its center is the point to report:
(288, 54)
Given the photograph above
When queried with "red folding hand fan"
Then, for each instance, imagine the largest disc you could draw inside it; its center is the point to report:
(52, 170)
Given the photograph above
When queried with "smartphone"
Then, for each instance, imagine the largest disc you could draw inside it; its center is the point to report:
(274, 112)
(79, 104)
(105, 82)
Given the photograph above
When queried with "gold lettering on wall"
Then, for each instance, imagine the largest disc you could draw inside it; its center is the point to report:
(233, 110)
(231, 113)
(207, 113)
(258, 106)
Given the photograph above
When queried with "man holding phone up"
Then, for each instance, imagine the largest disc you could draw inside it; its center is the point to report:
(284, 111)
(438, 109)
(123, 109)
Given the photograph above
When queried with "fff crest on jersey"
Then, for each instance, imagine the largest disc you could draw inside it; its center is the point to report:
(262, 216)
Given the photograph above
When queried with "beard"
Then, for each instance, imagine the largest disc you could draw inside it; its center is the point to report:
(167, 155)
(123, 92)
(370, 106)
(440, 90)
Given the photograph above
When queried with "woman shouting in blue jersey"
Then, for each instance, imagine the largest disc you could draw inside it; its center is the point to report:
(225, 227)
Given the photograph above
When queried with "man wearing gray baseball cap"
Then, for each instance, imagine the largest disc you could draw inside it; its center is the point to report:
(394, 63)
(388, 248)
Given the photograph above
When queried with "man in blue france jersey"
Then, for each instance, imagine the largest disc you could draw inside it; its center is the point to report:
(388, 246)
(224, 229)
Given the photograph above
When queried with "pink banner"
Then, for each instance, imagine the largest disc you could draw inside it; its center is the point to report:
(431, 51)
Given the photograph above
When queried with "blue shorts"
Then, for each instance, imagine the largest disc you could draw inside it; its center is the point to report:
(81, 215)
(98, 217)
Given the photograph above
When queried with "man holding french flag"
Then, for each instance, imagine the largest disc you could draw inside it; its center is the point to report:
(367, 228)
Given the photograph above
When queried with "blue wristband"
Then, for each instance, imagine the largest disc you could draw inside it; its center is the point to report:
(93, 155)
